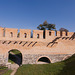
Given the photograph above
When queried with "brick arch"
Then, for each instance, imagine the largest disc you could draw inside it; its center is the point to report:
(66, 57)
(42, 57)
(18, 50)
(15, 49)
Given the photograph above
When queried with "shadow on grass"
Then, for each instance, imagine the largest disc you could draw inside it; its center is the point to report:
(69, 68)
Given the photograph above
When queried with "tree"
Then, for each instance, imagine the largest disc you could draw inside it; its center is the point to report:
(63, 29)
(46, 26)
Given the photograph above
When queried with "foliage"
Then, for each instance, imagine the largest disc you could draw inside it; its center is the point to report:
(63, 29)
(46, 26)
(66, 67)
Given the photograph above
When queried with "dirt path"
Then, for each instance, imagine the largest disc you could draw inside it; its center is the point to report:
(14, 68)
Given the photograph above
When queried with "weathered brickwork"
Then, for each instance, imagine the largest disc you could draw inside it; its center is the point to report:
(56, 46)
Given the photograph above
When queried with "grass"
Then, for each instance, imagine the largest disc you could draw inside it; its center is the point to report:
(12, 62)
(3, 67)
(8, 72)
(15, 51)
(4, 70)
(66, 67)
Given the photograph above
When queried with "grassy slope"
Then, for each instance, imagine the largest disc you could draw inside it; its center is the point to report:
(4, 71)
(66, 67)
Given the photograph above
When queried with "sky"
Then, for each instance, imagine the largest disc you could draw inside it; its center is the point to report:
(28, 14)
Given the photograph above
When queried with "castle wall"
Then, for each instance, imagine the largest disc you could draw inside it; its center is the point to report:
(49, 34)
(37, 34)
(70, 34)
(25, 33)
(11, 33)
(55, 45)
(1, 32)
(33, 59)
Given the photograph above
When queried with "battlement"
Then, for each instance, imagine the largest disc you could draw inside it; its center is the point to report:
(37, 34)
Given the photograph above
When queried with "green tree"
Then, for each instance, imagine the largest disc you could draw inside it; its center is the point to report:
(46, 26)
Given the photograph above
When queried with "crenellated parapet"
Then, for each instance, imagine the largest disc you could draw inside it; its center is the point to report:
(1, 32)
(25, 33)
(10, 32)
(37, 34)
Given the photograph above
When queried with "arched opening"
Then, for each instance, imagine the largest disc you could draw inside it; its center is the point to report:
(37, 35)
(49, 33)
(11, 34)
(15, 56)
(44, 60)
(66, 57)
(25, 35)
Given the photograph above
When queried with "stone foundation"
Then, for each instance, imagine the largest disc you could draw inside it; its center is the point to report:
(33, 59)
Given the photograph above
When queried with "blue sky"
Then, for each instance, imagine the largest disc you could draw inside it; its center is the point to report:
(28, 14)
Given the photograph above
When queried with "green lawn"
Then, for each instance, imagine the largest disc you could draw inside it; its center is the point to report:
(66, 67)
(4, 70)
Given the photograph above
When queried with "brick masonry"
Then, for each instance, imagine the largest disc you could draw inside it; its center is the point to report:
(33, 59)
(54, 46)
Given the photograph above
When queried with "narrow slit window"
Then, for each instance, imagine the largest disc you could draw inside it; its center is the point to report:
(66, 34)
(55, 33)
(11, 34)
(49, 33)
(4, 32)
(25, 35)
(37, 35)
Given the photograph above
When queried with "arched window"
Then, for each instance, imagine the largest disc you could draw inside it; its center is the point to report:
(37, 35)
(11, 34)
(25, 35)
(49, 33)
